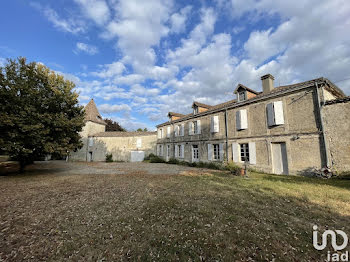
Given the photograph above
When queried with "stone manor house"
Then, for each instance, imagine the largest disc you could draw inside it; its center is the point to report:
(284, 130)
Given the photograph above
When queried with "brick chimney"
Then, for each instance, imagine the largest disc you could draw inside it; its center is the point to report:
(267, 83)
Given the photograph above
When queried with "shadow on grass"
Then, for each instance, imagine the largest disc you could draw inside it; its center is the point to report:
(336, 182)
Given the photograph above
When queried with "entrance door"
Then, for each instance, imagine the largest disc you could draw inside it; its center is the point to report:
(195, 153)
(279, 158)
(90, 157)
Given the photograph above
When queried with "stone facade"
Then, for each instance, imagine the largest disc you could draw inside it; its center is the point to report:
(97, 143)
(292, 143)
(337, 126)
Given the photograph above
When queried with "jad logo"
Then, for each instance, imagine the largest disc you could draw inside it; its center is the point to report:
(333, 234)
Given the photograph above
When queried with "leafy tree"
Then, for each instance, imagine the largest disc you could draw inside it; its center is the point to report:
(145, 129)
(113, 125)
(39, 112)
(139, 130)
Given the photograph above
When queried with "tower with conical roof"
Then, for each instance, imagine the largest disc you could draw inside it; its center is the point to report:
(93, 120)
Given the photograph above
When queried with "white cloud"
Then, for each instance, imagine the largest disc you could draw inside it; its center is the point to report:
(178, 20)
(89, 49)
(97, 10)
(111, 70)
(107, 108)
(69, 25)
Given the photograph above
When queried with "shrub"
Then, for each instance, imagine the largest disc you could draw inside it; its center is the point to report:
(109, 158)
(155, 159)
(233, 168)
(173, 161)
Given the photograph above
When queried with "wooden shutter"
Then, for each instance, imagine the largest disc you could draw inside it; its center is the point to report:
(216, 124)
(139, 142)
(176, 151)
(168, 131)
(238, 120)
(199, 126)
(91, 141)
(270, 115)
(252, 153)
(235, 152)
(210, 152)
(182, 130)
(244, 119)
(221, 151)
(182, 150)
(278, 110)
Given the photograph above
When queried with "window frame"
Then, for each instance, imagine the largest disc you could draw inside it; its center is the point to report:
(244, 92)
(216, 151)
(244, 152)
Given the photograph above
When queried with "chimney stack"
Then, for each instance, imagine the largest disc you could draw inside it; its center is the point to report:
(267, 83)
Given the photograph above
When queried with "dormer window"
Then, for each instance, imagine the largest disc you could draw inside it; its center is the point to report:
(195, 110)
(242, 95)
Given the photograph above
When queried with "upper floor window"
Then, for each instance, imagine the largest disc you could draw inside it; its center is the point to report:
(241, 119)
(194, 127)
(242, 95)
(160, 133)
(214, 124)
(275, 114)
(195, 110)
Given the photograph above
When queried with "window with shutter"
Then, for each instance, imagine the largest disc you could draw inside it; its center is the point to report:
(252, 153)
(215, 124)
(216, 151)
(139, 142)
(210, 152)
(235, 152)
(182, 129)
(278, 110)
(168, 131)
(199, 127)
(270, 114)
(182, 151)
(238, 120)
(91, 141)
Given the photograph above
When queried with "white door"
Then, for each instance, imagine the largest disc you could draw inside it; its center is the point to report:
(279, 158)
(195, 153)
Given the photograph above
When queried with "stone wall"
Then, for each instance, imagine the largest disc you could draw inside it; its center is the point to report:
(337, 131)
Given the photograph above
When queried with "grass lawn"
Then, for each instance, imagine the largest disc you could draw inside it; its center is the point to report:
(196, 216)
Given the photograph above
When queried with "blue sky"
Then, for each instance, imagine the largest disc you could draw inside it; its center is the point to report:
(141, 59)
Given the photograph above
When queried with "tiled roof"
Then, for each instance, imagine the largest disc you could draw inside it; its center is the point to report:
(123, 134)
(201, 105)
(246, 88)
(175, 114)
(92, 114)
(281, 89)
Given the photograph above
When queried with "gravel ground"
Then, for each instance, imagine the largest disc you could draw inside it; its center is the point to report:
(83, 168)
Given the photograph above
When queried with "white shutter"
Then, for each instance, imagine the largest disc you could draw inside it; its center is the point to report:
(157, 150)
(216, 124)
(238, 120)
(252, 153)
(176, 133)
(210, 152)
(182, 151)
(199, 126)
(270, 115)
(190, 128)
(221, 151)
(182, 130)
(278, 109)
(176, 149)
(235, 152)
(244, 119)
(159, 133)
(168, 131)
(139, 142)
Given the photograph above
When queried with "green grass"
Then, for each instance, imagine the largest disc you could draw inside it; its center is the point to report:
(194, 216)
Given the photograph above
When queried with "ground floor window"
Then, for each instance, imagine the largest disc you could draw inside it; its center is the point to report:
(216, 151)
(195, 152)
(244, 152)
(168, 150)
(178, 150)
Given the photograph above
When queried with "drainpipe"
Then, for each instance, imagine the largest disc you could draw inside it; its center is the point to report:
(325, 144)
(226, 134)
